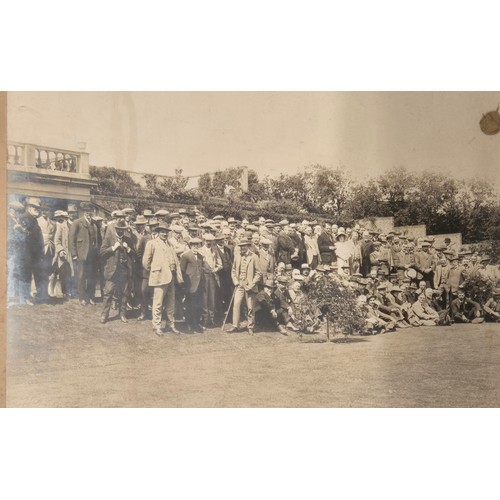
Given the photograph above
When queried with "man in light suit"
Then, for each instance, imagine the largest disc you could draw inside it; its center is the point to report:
(245, 274)
(83, 241)
(165, 271)
(62, 259)
(194, 280)
(48, 228)
(117, 256)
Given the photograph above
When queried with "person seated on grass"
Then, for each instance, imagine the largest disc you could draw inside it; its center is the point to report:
(376, 319)
(401, 300)
(432, 297)
(492, 307)
(465, 310)
(388, 306)
(265, 308)
(282, 302)
(425, 313)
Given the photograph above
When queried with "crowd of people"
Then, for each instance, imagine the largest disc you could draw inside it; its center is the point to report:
(182, 267)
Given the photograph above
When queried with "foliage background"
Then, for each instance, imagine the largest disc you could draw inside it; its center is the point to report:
(441, 202)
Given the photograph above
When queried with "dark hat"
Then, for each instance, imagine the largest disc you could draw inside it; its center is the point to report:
(282, 279)
(163, 226)
(86, 207)
(121, 224)
(269, 283)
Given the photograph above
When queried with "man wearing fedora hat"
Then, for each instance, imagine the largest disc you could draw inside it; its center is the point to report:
(246, 275)
(83, 241)
(117, 254)
(194, 283)
(45, 274)
(212, 265)
(63, 261)
(163, 264)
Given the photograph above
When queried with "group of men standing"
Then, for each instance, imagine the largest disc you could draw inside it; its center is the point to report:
(183, 266)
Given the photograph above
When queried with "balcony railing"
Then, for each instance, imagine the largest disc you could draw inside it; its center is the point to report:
(31, 156)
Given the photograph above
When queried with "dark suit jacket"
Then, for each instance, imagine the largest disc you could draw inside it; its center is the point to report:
(83, 239)
(192, 270)
(286, 247)
(110, 258)
(325, 241)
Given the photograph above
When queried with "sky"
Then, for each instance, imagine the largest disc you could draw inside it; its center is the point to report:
(270, 132)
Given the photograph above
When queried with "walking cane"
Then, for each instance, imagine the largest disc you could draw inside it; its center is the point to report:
(228, 309)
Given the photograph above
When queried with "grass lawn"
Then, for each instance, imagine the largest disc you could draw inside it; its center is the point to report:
(61, 356)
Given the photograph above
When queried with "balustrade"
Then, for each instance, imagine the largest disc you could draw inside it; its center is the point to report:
(45, 158)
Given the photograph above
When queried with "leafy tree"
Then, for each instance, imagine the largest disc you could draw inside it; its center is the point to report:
(113, 181)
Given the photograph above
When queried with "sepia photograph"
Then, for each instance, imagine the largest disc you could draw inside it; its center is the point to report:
(253, 249)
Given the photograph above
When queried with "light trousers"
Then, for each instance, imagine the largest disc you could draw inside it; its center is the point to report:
(164, 299)
(239, 295)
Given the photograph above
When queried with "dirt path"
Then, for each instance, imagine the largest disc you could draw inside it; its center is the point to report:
(62, 356)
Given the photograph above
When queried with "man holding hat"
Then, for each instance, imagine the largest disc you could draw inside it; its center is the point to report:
(117, 254)
(83, 241)
(163, 264)
(245, 274)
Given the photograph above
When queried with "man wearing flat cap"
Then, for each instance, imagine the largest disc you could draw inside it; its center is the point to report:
(84, 241)
(246, 275)
(30, 249)
(163, 264)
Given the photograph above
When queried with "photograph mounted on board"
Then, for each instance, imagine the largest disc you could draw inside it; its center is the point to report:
(253, 249)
